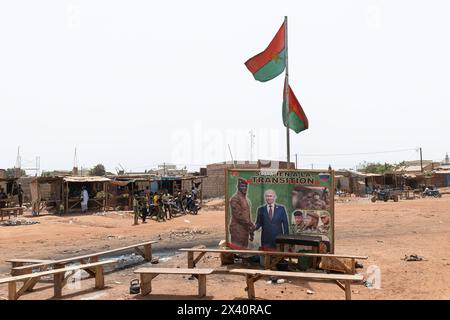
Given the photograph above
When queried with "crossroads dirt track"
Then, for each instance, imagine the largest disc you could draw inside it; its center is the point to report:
(386, 232)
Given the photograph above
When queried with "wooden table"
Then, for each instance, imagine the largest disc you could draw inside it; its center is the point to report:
(11, 211)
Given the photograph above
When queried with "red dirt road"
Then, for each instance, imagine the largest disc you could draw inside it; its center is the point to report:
(386, 232)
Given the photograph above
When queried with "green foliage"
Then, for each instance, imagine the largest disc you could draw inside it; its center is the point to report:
(376, 167)
(98, 170)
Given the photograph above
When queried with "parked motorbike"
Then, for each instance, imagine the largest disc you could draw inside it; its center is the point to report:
(431, 193)
(192, 206)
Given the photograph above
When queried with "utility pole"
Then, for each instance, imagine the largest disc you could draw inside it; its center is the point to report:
(229, 149)
(252, 142)
(421, 164)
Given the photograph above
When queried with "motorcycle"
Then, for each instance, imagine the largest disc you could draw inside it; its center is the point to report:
(192, 206)
(431, 193)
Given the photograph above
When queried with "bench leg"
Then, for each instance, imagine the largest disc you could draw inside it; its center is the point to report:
(267, 262)
(202, 285)
(57, 280)
(250, 287)
(348, 291)
(12, 287)
(146, 283)
(99, 277)
(190, 256)
(148, 252)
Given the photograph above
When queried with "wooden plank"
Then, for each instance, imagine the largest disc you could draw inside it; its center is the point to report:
(28, 286)
(28, 261)
(273, 253)
(99, 277)
(190, 257)
(348, 291)
(340, 285)
(173, 271)
(97, 254)
(58, 284)
(200, 255)
(148, 252)
(12, 287)
(146, 284)
(202, 285)
(307, 275)
(250, 287)
(55, 271)
(139, 251)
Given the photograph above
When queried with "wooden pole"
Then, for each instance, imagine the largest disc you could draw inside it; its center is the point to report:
(288, 148)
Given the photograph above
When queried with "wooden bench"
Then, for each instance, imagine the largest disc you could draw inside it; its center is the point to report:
(252, 276)
(271, 258)
(20, 262)
(59, 281)
(148, 274)
(87, 258)
(11, 211)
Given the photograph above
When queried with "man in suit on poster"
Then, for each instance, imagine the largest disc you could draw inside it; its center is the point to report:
(273, 220)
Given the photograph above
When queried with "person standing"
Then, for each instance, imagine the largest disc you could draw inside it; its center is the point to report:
(84, 199)
(20, 194)
(273, 220)
(241, 225)
(136, 209)
(156, 205)
(165, 202)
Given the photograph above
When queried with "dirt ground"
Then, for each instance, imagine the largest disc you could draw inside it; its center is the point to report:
(386, 232)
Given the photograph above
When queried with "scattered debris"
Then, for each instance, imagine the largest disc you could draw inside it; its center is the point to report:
(187, 221)
(155, 260)
(355, 291)
(368, 284)
(117, 282)
(359, 265)
(380, 241)
(18, 222)
(309, 291)
(187, 234)
(279, 281)
(413, 257)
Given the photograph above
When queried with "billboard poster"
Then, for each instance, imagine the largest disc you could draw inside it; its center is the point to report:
(263, 204)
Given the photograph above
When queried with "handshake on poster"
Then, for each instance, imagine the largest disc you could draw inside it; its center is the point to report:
(252, 228)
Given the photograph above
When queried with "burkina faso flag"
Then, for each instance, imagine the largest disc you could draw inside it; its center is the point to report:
(294, 116)
(271, 62)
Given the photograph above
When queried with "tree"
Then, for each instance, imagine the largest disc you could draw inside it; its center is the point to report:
(98, 170)
(11, 173)
(376, 167)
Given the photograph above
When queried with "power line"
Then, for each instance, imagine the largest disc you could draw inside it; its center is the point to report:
(356, 153)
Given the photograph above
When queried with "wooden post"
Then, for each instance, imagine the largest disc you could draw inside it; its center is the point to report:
(353, 266)
(12, 287)
(148, 252)
(58, 279)
(99, 277)
(267, 261)
(146, 284)
(202, 285)
(348, 291)
(250, 287)
(190, 256)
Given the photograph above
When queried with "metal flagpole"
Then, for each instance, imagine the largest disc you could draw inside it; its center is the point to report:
(286, 93)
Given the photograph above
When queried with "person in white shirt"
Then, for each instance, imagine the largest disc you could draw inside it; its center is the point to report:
(84, 199)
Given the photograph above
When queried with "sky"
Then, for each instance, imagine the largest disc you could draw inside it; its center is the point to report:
(141, 83)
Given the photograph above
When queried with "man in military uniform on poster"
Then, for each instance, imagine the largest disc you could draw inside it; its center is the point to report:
(299, 223)
(241, 225)
(325, 218)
